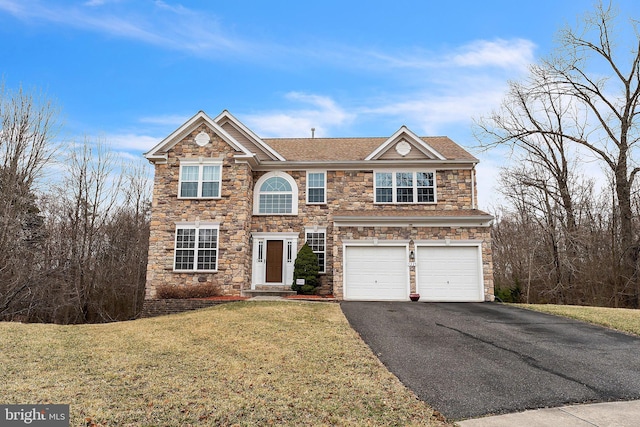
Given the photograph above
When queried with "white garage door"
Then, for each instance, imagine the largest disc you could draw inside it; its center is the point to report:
(449, 273)
(376, 273)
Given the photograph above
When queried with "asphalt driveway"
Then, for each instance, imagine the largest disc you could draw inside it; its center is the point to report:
(474, 359)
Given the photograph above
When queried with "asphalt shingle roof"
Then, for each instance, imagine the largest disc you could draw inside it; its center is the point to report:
(353, 149)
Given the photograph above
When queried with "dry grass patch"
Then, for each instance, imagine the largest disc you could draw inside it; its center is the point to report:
(244, 363)
(621, 319)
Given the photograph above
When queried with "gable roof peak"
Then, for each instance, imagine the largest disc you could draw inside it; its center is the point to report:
(411, 137)
(159, 152)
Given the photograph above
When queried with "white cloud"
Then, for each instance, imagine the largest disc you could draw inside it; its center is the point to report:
(171, 120)
(171, 27)
(130, 142)
(517, 53)
(324, 114)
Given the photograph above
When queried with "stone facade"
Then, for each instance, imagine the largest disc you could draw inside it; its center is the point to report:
(232, 211)
(349, 191)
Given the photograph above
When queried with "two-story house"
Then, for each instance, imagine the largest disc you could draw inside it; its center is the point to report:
(386, 217)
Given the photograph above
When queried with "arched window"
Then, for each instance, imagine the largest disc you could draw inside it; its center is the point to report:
(276, 194)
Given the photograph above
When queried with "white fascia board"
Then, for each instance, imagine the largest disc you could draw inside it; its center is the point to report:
(415, 138)
(419, 221)
(249, 133)
(375, 242)
(368, 165)
(449, 242)
(187, 127)
(251, 160)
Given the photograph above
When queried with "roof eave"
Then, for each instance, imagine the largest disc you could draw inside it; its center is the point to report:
(414, 221)
(269, 165)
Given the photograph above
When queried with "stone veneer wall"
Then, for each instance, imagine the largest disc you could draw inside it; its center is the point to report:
(232, 211)
(162, 307)
(353, 191)
(415, 233)
(346, 191)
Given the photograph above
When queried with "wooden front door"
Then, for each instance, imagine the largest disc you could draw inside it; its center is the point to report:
(274, 261)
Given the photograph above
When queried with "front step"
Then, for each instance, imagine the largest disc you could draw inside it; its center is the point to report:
(267, 293)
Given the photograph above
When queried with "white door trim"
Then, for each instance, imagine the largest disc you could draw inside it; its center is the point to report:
(259, 271)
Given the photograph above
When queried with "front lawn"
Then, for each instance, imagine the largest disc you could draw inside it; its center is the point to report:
(622, 319)
(245, 363)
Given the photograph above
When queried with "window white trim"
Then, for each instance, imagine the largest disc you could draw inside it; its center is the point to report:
(257, 193)
(200, 163)
(324, 187)
(183, 248)
(319, 250)
(395, 185)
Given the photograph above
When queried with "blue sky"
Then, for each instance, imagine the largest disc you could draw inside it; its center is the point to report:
(130, 72)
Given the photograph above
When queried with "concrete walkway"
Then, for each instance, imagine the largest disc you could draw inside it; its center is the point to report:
(618, 414)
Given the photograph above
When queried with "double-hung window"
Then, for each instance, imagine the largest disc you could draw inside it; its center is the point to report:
(316, 238)
(196, 248)
(316, 187)
(405, 187)
(200, 180)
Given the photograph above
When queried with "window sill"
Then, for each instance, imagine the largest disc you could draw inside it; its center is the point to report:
(405, 203)
(275, 214)
(194, 271)
(199, 198)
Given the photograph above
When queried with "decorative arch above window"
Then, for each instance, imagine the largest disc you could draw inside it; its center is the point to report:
(275, 193)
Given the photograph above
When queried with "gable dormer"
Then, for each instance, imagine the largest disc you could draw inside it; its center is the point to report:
(404, 144)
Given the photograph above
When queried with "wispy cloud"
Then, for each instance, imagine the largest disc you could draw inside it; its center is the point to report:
(515, 54)
(501, 53)
(174, 120)
(129, 142)
(316, 111)
(156, 23)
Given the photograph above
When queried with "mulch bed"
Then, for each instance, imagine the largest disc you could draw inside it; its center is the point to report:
(311, 297)
(224, 298)
(298, 297)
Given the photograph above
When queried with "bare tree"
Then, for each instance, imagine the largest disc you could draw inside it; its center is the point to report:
(27, 130)
(584, 97)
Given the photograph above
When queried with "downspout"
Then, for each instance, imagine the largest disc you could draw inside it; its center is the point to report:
(473, 187)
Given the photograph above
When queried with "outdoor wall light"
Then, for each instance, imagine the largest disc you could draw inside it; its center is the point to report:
(412, 256)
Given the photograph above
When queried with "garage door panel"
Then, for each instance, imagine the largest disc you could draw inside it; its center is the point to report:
(376, 273)
(449, 273)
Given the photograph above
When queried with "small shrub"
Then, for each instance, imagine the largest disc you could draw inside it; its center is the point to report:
(200, 290)
(508, 293)
(306, 267)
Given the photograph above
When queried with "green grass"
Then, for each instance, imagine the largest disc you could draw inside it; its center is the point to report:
(247, 363)
(621, 319)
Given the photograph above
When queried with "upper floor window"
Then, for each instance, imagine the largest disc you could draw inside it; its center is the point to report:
(201, 180)
(316, 187)
(405, 187)
(196, 248)
(276, 193)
